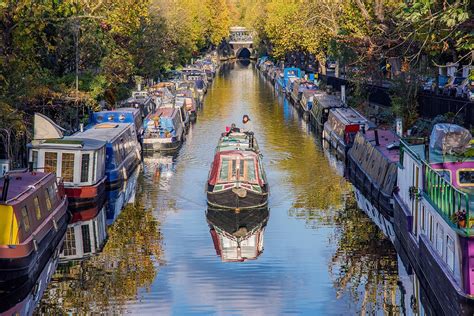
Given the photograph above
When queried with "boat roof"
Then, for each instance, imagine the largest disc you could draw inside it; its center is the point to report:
(389, 143)
(326, 100)
(103, 131)
(69, 142)
(21, 182)
(349, 116)
(241, 153)
(163, 112)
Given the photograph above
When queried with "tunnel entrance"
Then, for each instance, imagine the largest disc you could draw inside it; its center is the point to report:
(243, 53)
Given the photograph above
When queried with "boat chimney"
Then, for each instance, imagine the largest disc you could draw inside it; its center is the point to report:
(376, 134)
(6, 184)
(81, 127)
(363, 128)
(343, 94)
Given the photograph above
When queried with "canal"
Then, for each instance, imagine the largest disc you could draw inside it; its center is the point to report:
(321, 254)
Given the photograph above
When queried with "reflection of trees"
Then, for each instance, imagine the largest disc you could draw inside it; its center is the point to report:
(109, 280)
(364, 265)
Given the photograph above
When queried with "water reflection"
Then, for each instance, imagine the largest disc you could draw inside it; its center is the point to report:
(104, 283)
(237, 236)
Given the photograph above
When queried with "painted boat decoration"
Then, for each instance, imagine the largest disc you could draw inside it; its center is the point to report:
(432, 216)
(372, 167)
(164, 130)
(34, 217)
(237, 179)
(237, 236)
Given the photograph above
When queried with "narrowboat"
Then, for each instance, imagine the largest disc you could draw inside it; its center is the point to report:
(198, 76)
(237, 179)
(299, 88)
(164, 130)
(140, 100)
(322, 104)
(432, 214)
(284, 79)
(120, 115)
(80, 163)
(33, 222)
(372, 167)
(163, 93)
(341, 127)
(122, 151)
(184, 99)
(189, 85)
(237, 236)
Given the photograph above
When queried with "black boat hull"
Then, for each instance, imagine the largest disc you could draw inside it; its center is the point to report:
(227, 199)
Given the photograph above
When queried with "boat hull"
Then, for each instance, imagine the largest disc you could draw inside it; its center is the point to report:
(154, 144)
(85, 202)
(227, 199)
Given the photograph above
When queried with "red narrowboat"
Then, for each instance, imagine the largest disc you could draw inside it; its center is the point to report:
(33, 222)
(237, 179)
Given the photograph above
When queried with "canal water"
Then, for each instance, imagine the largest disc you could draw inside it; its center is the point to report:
(322, 255)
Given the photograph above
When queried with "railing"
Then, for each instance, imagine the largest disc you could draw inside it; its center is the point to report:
(450, 202)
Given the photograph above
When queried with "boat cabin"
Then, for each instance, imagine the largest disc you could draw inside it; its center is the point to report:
(236, 166)
(77, 161)
(344, 123)
(164, 123)
(141, 100)
(322, 104)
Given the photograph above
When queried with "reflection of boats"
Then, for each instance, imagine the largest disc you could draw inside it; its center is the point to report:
(237, 179)
(118, 198)
(24, 300)
(164, 130)
(372, 167)
(33, 221)
(341, 127)
(432, 214)
(384, 224)
(237, 236)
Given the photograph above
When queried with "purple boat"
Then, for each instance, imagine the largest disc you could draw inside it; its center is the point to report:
(432, 215)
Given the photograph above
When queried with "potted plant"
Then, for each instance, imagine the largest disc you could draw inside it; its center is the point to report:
(459, 218)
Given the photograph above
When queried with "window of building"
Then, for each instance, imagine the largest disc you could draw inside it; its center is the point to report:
(70, 242)
(37, 208)
(86, 238)
(450, 252)
(67, 167)
(85, 168)
(25, 219)
(50, 162)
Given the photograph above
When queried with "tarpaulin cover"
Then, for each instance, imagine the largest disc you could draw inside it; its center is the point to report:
(449, 139)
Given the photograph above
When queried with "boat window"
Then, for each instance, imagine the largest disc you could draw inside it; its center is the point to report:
(50, 162)
(48, 201)
(224, 172)
(466, 177)
(234, 170)
(250, 170)
(67, 167)
(52, 191)
(34, 159)
(86, 238)
(25, 219)
(37, 208)
(69, 242)
(85, 167)
(450, 252)
(439, 239)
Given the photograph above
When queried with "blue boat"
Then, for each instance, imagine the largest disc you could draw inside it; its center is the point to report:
(121, 115)
(122, 150)
(289, 75)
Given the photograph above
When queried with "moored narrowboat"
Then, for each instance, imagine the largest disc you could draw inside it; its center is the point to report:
(237, 179)
(341, 127)
(141, 100)
(79, 162)
(184, 98)
(372, 167)
(122, 153)
(33, 221)
(164, 130)
(237, 236)
(432, 215)
(322, 104)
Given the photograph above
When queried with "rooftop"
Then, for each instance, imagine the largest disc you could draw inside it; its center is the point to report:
(69, 142)
(349, 116)
(389, 143)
